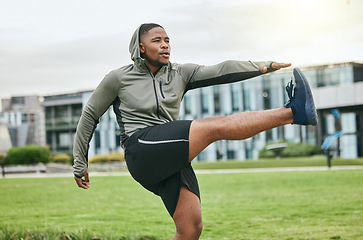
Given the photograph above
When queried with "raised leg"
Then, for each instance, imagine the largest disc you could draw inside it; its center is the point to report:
(188, 216)
(238, 126)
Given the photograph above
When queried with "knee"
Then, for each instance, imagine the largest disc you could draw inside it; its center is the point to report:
(197, 229)
(192, 231)
(208, 130)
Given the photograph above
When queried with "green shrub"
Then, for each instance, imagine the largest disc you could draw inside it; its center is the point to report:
(61, 158)
(107, 158)
(98, 158)
(28, 155)
(300, 149)
(265, 153)
(116, 157)
(71, 161)
(292, 150)
(2, 158)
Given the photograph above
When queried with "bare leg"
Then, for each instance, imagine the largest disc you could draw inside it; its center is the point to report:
(187, 216)
(238, 126)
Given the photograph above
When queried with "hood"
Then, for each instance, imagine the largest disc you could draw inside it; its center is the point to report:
(134, 46)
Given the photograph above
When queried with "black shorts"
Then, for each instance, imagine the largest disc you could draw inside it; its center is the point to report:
(157, 158)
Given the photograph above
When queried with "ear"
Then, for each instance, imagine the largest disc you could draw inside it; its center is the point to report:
(142, 48)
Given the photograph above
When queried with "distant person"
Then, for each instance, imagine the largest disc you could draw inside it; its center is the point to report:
(158, 147)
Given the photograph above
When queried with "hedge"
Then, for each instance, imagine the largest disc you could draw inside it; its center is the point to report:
(107, 158)
(3, 159)
(62, 158)
(28, 155)
(292, 150)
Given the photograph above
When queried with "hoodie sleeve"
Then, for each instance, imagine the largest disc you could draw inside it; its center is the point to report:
(225, 72)
(99, 102)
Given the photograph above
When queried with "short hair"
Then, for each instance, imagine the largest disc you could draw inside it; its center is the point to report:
(146, 27)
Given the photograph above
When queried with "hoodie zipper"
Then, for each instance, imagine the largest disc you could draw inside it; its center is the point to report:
(155, 92)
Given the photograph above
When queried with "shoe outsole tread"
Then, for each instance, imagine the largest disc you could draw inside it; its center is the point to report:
(309, 103)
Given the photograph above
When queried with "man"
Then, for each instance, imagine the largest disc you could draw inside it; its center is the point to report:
(146, 98)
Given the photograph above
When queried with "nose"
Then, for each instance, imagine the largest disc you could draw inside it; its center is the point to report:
(164, 45)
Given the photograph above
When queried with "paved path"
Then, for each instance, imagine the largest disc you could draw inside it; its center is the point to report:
(211, 171)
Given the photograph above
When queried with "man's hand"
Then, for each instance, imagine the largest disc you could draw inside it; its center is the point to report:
(83, 183)
(276, 66)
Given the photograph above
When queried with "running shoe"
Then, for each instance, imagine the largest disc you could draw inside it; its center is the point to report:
(301, 100)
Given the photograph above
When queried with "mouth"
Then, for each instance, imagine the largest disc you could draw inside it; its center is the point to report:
(165, 54)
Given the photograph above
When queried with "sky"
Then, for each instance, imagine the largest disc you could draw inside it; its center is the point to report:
(54, 47)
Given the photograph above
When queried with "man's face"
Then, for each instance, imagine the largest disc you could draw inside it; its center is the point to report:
(155, 47)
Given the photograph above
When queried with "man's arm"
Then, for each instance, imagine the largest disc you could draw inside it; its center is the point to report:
(227, 72)
(100, 101)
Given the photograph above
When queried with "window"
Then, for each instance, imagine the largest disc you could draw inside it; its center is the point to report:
(187, 105)
(280, 133)
(205, 105)
(269, 135)
(24, 118)
(249, 150)
(61, 113)
(49, 138)
(320, 78)
(358, 74)
(235, 101)
(31, 118)
(230, 154)
(230, 151)
(333, 76)
(310, 135)
(97, 140)
(48, 113)
(64, 139)
(246, 99)
(76, 110)
(17, 100)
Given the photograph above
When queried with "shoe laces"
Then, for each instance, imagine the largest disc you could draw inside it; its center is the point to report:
(290, 89)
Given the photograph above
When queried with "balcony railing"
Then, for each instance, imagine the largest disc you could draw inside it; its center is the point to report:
(61, 124)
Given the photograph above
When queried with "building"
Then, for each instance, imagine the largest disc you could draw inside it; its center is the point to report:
(340, 86)
(5, 141)
(334, 86)
(25, 120)
(62, 113)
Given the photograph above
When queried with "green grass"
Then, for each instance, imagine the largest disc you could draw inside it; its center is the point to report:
(283, 162)
(266, 205)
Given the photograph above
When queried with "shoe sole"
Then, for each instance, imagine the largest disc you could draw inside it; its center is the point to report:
(309, 104)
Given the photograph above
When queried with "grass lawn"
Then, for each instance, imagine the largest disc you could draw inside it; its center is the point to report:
(320, 160)
(259, 205)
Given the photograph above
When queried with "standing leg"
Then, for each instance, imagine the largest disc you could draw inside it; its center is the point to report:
(187, 216)
(238, 126)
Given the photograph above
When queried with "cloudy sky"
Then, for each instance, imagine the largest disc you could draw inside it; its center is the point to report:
(52, 47)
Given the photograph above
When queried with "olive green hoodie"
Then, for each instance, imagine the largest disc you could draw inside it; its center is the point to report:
(141, 99)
